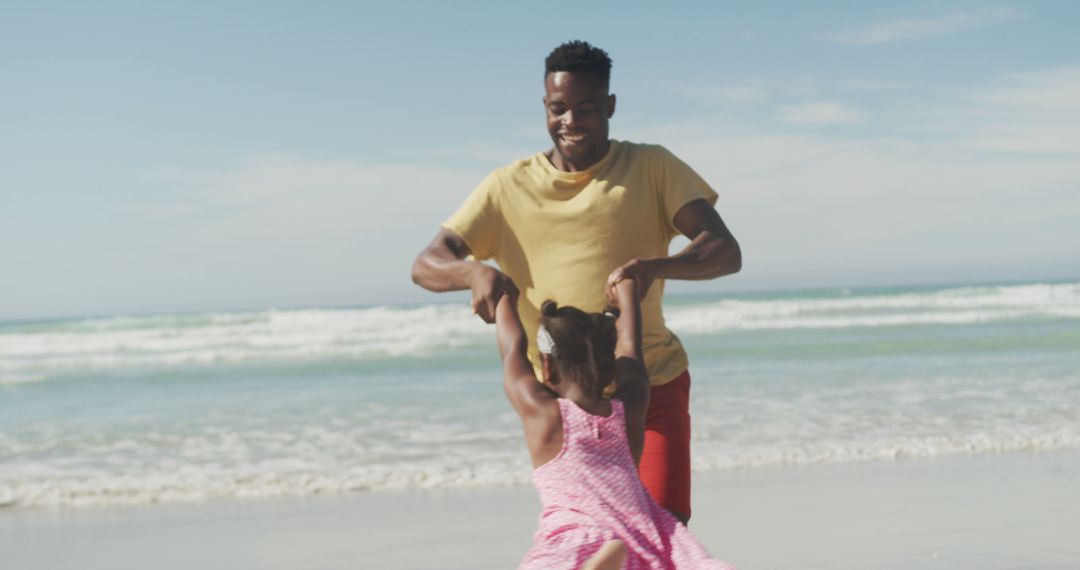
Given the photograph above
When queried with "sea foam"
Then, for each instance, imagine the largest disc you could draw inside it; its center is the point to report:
(191, 480)
(138, 410)
(33, 352)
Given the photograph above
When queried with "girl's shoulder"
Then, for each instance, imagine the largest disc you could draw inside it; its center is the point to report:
(544, 431)
(602, 408)
(618, 407)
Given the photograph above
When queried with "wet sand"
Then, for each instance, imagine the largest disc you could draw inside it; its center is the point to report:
(1014, 510)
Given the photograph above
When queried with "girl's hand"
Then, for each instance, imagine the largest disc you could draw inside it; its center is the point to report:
(624, 292)
(489, 285)
(641, 270)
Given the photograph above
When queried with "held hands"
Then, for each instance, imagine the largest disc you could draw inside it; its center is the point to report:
(488, 286)
(624, 293)
(636, 269)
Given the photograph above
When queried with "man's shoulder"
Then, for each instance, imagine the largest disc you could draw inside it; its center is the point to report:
(640, 146)
(497, 176)
(516, 167)
(523, 163)
(644, 151)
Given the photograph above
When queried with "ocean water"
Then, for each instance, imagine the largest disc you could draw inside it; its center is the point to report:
(191, 407)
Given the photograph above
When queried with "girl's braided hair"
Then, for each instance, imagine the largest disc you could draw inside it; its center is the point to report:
(584, 344)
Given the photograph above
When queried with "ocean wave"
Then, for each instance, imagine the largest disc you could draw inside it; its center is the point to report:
(437, 443)
(967, 305)
(203, 483)
(888, 450)
(267, 336)
(30, 485)
(33, 351)
(15, 379)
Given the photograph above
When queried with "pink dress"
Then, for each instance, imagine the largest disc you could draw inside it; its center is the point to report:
(591, 493)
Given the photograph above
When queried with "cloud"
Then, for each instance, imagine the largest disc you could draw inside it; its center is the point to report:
(486, 153)
(818, 113)
(1051, 92)
(975, 184)
(1036, 113)
(743, 91)
(983, 184)
(813, 209)
(280, 230)
(283, 192)
(875, 85)
(972, 184)
(262, 230)
(892, 31)
(734, 93)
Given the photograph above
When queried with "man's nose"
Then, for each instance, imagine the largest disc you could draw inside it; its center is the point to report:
(568, 118)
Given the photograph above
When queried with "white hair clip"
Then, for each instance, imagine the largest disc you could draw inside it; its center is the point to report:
(544, 341)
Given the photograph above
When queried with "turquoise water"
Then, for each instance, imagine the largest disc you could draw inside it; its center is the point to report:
(272, 403)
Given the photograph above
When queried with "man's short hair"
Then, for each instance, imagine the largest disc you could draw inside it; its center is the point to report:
(581, 57)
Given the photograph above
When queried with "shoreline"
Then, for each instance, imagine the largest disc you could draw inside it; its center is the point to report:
(460, 297)
(1001, 510)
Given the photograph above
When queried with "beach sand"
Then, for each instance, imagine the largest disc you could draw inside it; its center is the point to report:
(1014, 510)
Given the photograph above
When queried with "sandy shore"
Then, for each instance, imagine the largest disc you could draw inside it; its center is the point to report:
(1017, 510)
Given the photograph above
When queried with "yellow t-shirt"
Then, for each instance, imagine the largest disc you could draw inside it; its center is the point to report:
(559, 235)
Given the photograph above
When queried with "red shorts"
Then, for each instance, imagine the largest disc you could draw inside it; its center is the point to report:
(665, 460)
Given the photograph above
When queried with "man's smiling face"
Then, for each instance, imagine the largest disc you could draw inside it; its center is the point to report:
(578, 108)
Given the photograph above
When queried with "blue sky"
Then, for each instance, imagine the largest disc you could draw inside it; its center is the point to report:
(200, 156)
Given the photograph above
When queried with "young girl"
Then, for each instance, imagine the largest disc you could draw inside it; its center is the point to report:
(584, 445)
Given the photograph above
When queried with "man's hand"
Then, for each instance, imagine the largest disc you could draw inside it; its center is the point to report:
(442, 266)
(712, 251)
(637, 268)
(488, 285)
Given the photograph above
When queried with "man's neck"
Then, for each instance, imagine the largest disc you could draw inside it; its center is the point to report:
(559, 161)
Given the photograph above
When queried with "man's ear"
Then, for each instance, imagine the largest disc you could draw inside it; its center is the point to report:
(610, 105)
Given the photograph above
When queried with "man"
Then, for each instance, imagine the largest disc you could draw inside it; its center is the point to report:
(568, 223)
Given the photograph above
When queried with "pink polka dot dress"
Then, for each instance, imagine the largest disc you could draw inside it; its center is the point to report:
(590, 494)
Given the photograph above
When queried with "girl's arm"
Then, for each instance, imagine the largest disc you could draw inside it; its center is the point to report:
(526, 394)
(633, 381)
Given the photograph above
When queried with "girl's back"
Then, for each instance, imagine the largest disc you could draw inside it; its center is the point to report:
(586, 464)
(591, 493)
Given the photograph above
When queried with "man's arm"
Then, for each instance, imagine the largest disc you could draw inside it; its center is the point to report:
(711, 253)
(442, 266)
